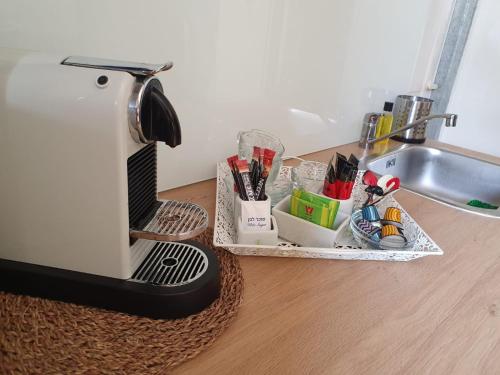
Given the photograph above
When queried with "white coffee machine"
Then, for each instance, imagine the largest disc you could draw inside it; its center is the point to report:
(80, 219)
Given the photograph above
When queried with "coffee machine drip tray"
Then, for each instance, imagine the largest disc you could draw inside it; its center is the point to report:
(172, 280)
(172, 264)
(172, 221)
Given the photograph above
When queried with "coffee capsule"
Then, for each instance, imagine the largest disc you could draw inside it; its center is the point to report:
(392, 216)
(370, 213)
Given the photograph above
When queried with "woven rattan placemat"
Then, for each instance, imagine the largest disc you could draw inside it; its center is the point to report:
(39, 336)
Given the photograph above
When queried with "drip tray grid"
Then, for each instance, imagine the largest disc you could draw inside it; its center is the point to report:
(171, 264)
(174, 221)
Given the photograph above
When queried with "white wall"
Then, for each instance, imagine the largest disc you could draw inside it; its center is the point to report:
(306, 71)
(476, 92)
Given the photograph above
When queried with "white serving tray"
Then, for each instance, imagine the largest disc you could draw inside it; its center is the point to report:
(345, 245)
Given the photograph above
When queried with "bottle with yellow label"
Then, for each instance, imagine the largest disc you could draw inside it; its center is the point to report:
(384, 124)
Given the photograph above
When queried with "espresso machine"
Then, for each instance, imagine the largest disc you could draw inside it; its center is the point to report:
(80, 218)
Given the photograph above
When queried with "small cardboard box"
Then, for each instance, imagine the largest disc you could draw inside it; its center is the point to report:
(253, 215)
(263, 237)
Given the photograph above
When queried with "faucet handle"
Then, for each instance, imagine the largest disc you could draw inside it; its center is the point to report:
(369, 129)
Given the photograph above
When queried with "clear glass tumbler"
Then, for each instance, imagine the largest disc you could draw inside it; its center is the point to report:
(260, 138)
(310, 176)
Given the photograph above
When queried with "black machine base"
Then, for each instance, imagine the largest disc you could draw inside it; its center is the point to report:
(144, 299)
(408, 140)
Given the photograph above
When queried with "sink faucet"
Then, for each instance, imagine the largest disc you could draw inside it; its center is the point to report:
(450, 120)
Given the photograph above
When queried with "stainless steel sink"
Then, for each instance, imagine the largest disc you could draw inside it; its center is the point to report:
(441, 175)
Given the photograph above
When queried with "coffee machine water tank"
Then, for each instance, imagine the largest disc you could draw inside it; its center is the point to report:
(77, 156)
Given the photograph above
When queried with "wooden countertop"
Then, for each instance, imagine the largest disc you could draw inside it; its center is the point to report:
(433, 315)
